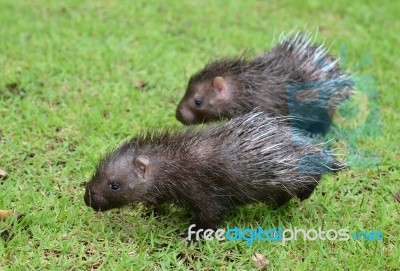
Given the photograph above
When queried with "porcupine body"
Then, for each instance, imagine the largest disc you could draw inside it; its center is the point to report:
(209, 170)
(297, 78)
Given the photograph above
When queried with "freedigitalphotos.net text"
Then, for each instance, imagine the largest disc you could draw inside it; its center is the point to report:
(281, 235)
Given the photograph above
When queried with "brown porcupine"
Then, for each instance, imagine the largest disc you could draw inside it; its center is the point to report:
(209, 170)
(297, 78)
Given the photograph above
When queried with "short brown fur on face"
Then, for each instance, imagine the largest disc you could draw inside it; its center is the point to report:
(205, 101)
(127, 174)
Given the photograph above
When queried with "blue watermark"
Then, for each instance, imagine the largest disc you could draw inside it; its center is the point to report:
(342, 107)
(249, 236)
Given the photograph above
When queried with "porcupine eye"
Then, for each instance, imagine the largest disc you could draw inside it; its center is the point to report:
(114, 187)
(198, 102)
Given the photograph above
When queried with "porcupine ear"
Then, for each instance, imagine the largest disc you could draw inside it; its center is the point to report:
(220, 86)
(142, 164)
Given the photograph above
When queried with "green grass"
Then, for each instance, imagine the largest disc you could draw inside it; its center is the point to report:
(69, 76)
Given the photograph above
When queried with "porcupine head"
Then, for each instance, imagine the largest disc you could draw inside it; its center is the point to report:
(119, 180)
(208, 97)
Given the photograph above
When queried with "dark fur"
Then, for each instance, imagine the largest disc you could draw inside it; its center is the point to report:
(272, 82)
(209, 170)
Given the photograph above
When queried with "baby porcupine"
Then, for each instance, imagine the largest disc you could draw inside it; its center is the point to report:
(297, 78)
(209, 170)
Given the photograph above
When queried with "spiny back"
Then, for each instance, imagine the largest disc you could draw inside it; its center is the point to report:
(295, 60)
(268, 151)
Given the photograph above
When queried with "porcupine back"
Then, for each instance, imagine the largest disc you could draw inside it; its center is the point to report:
(270, 154)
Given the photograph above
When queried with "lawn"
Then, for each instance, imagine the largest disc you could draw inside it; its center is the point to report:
(77, 78)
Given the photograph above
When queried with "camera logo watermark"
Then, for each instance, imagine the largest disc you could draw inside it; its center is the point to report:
(343, 107)
(281, 235)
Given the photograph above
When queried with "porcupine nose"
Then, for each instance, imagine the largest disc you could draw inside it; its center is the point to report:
(184, 115)
(97, 202)
(178, 114)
